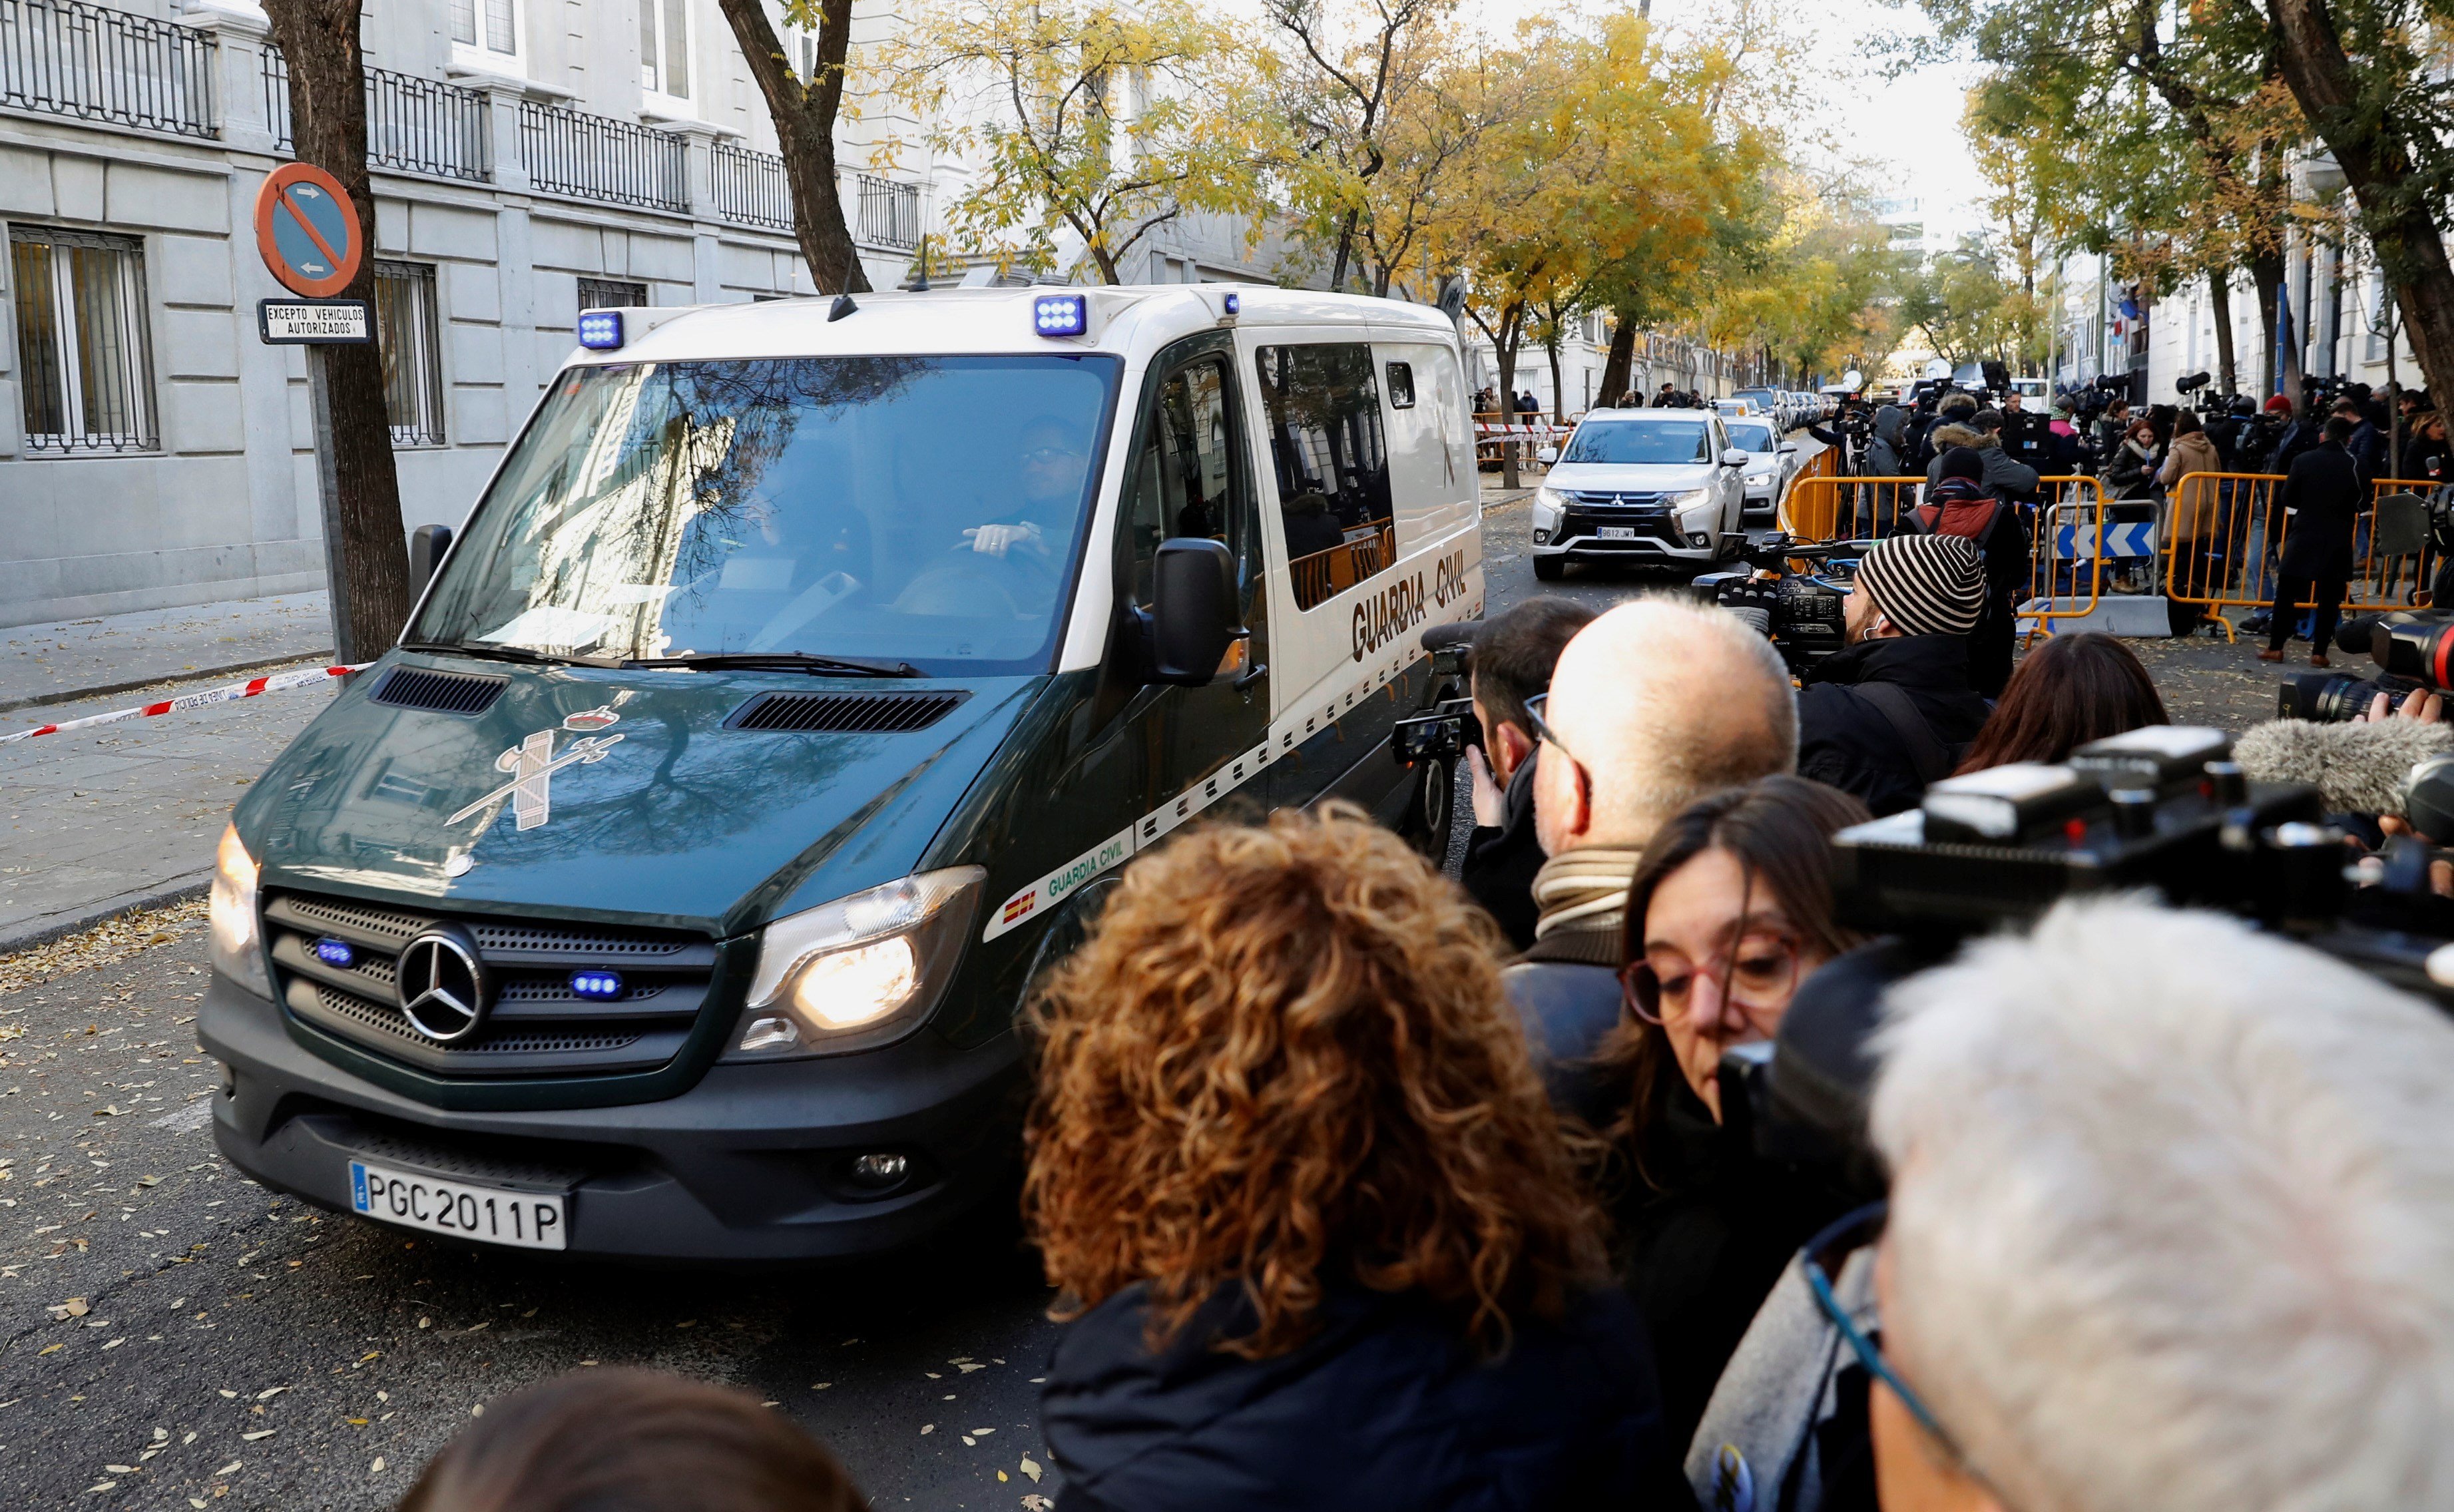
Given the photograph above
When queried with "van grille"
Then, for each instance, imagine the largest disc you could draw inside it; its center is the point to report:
(845, 712)
(440, 691)
(537, 1025)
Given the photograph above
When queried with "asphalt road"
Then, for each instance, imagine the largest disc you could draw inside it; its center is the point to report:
(172, 1334)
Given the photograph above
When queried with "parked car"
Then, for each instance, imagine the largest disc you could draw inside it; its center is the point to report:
(1772, 461)
(1657, 488)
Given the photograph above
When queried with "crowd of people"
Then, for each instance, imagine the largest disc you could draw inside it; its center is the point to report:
(1362, 1188)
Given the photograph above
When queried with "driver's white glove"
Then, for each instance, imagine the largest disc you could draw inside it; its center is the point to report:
(994, 540)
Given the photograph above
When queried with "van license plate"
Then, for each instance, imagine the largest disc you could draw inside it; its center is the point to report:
(490, 1214)
(1615, 532)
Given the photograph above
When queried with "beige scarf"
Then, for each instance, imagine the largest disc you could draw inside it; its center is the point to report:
(1584, 889)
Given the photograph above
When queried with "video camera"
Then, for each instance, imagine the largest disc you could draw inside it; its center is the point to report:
(1452, 725)
(1800, 612)
(2414, 650)
(2163, 808)
(2089, 400)
(2198, 391)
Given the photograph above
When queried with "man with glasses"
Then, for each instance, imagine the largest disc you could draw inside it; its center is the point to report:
(1651, 706)
(2171, 1226)
(1048, 474)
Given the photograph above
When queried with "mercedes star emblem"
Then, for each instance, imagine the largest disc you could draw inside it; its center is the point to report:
(441, 983)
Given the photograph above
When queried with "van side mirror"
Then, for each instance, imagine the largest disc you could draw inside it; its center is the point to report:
(427, 545)
(1193, 619)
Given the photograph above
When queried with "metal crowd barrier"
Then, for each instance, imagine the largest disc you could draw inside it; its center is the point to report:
(2226, 536)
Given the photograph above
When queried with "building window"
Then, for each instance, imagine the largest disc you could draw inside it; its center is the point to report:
(1331, 456)
(486, 34)
(664, 48)
(613, 293)
(86, 367)
(409, 336)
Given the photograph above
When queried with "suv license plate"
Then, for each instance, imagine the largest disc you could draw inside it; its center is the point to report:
(1615, 532)
(490, 1214)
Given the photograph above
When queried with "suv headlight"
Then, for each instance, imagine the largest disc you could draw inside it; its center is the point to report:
(860, 971)
(238, 943)
(1548, 502)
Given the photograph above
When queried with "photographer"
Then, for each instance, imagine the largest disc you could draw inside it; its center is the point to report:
(2001, 475)
(2158, 1236)
(1894, 710)
(1513, 658)
(2323, 494)
(1953, 409)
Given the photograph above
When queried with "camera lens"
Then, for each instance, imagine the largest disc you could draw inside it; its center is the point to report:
(2418, 649)
(2325, 697)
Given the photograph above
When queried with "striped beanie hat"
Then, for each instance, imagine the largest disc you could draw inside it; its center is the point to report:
(1927, 585)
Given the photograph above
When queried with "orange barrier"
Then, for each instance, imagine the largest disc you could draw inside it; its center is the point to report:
(1830, 506)
(1325, 574)
(2223, 538)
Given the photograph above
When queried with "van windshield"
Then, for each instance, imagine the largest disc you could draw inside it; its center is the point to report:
(923, 510)
(1639, 441)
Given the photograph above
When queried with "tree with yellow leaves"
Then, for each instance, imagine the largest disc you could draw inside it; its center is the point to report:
(1089, 124)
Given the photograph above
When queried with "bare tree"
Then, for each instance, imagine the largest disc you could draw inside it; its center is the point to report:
(366, 549)
(805, 111)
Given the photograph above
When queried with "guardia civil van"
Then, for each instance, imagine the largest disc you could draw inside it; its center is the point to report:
(794, 690)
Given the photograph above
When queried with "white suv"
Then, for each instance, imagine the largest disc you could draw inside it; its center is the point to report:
(1657, 488)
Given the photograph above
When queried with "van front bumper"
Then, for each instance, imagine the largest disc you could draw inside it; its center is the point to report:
(751, 1164)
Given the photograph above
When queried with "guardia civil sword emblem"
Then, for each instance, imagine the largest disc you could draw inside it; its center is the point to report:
(533, 762)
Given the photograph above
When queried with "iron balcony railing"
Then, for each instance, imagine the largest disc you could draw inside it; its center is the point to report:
(414, 126)
(750, 188)
(597, 157)
(889, 212)
(64, 57)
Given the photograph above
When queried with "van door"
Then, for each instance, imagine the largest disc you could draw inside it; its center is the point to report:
(1188, 477)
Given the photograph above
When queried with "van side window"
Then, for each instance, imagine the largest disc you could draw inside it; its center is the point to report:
(1401, 386)
(1332, 460)
(1185, 473)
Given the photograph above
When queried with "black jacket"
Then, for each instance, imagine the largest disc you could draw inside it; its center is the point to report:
(2324, 492)
(1702, 1235)
(1501, 860)
(1567, 993)
(1843, 738)
(1384, 1408)
(2368, 451)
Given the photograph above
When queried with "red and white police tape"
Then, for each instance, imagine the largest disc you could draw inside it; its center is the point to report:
(195, 700)
(1537, 427)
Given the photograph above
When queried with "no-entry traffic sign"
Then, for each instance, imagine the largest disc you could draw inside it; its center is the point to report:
(308, 230)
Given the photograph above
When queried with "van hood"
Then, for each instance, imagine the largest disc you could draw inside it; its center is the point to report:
(654, 810)
(1632, 477)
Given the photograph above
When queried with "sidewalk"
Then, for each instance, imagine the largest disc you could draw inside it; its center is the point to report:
(126, 816)
(81, 659)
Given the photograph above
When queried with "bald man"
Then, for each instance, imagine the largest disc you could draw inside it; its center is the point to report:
(1651, 707)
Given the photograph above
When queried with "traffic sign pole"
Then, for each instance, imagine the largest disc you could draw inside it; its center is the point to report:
(310, 236)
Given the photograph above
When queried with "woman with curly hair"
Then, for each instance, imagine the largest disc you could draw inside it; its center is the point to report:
(1317, 1231)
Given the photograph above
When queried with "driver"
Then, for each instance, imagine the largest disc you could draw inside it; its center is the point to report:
(1052, 466)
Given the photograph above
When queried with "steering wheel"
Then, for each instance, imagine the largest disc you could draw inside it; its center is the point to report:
(965, 586)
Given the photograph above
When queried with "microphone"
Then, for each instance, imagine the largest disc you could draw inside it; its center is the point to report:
(2356, 768)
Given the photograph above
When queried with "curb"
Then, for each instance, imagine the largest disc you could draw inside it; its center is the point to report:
(107, 689)
(177, 890)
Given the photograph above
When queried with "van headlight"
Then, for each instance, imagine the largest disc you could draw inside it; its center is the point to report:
(860, 971)
(238, 943)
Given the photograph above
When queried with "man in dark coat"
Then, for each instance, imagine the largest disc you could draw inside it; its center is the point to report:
(1514, 653)
(2323, 493)
(1894, 711)
(2366, 443)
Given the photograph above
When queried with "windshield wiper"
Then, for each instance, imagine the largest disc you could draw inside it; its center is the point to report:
(496, 653)
(782, 662)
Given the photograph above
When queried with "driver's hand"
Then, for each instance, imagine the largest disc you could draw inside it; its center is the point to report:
(1490, 799)
(992, 540)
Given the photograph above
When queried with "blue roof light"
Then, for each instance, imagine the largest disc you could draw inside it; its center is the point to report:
(1061, 314)
(600, 329)
(596, 986)
(1234, 303)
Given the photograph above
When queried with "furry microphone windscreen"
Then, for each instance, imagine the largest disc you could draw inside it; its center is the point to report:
(2356, 768)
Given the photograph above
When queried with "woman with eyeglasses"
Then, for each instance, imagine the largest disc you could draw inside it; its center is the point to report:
(1730, 910)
